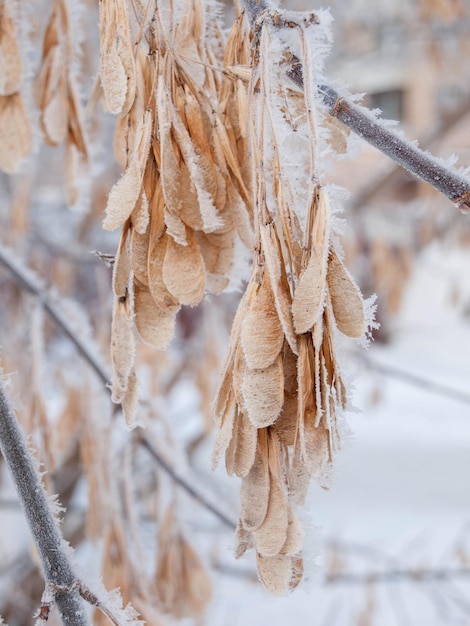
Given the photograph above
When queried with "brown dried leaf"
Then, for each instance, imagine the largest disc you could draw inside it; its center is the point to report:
(263, 393)
(346, 299)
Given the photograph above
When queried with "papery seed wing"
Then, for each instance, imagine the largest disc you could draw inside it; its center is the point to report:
(15, 133)
(346, 299)
(262, 337)
(123, 197)
(263, 393)
(245, 449)
(275, 572)
(121, 268)
(271, 536)
(156, 326)
(10, 58)
(183, 270)
(122, 347)
(224, 433)
(308, 300)
(280, 289)
(255, 488)
(294, 536)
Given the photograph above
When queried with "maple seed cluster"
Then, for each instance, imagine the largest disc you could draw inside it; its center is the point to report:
(219, 147)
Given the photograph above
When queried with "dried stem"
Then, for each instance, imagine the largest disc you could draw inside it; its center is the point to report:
(363, 122)
(58, 572)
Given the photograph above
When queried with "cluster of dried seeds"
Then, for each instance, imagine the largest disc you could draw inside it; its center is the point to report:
(210, 157)
(183, 200)
(61, 115)
(282, 388)
(15, 130)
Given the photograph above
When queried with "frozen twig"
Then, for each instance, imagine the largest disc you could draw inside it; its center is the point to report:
(364, 123)
(34, 285)
(58, 572)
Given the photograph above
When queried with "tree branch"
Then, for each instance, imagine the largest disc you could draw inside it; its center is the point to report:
(31, 283)
(363, 122)
(58, 572)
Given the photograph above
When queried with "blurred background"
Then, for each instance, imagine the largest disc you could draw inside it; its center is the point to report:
(389, 543)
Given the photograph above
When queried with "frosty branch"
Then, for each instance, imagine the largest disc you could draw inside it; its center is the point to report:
(59, 575)
(364, 123)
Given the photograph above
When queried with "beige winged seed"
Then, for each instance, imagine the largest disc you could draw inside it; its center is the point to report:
(271, 535)
(275, 572)
(346, 299)
(155, 326)
(183, 270)
(122, 344)
(123, 197)
(263, 393)
(130, 400)
(295, 535)
(262, 336)
(308, 298)
(10, 58)
(15, 133)
(121, 268)
(255, 488)
(225, 431)
(246, 443)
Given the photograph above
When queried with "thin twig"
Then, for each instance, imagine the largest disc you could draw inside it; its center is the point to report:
(31, 283)
(364, 123)
(57, 569)
(198, 497)
(397, 575)
(413, 379)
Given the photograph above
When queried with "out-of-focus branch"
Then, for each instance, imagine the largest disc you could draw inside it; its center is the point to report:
(58, 573)
(31, 283)
(413, 379)
(363, 122)
(397, 575)
(25, 277)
